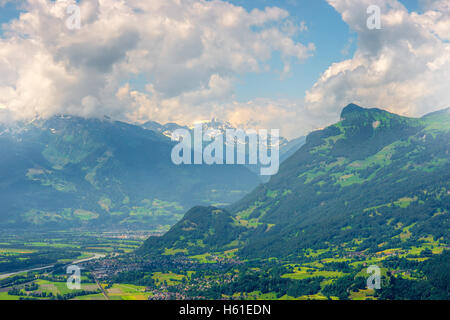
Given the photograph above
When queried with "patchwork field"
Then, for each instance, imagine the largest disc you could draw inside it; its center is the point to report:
(128, 292)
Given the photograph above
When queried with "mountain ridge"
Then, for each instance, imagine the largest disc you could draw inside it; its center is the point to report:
(373, 177)
(76, 172)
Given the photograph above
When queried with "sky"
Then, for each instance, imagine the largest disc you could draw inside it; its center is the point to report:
(287, 64)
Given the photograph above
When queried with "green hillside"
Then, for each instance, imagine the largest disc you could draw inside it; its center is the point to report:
(372, 181)
(74, 172)
(202, 228)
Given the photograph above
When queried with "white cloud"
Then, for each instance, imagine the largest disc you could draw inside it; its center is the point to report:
(404, 67)
(189, 51)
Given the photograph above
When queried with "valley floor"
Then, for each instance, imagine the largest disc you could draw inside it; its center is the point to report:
(110, 270)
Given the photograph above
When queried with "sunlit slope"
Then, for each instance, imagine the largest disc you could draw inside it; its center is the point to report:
(374, 179)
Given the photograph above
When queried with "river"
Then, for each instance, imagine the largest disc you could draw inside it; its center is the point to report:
(96, 256)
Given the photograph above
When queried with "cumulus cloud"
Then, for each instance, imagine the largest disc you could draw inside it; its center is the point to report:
(403, 67)
(189, 52)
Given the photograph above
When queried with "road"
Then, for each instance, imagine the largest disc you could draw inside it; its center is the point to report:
(101, 287)
(96, 256)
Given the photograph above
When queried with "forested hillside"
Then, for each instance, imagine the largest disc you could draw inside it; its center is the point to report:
(373, 180)
(74, 172)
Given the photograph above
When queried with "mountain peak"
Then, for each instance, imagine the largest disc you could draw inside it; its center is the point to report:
(351, 108)
(354, 113)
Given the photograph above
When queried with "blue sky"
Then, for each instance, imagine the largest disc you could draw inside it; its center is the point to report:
(333, 39)
(8, 12)
(319, 18)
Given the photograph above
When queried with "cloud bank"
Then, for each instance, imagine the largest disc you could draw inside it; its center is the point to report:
(189, 54)
(403, 67)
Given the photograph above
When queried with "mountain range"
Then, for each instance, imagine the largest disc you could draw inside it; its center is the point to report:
(217, 127)
(69, 172)
(373, 180)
